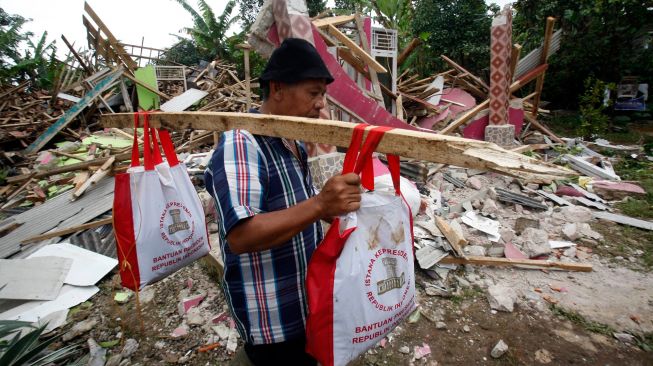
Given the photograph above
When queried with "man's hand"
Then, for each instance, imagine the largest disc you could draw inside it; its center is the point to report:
(341, 194)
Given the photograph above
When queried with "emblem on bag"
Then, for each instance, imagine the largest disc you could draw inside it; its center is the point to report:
(177, 224)
(392, 281)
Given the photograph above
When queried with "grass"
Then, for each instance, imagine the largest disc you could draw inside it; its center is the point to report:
(641, 172)
(622, 240)
(466, 294)
(579, 320)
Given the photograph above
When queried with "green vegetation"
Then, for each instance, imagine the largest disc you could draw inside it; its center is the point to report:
(466, 293)
(641, 172)
(36, 62)
(26, 348)
(593, 120)
(578, 319)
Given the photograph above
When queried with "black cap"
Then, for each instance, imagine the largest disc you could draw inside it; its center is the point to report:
(295, 60)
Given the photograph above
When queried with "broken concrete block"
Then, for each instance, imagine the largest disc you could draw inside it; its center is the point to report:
(586, 231)
(440, 325)
(524, 222)
(571, 231)
(180, 331)
(570, 252)
(232, 341)
(489, 207)
(502, 298)
(131, 345)
(499, 349)
(624, 337)
(194, 317)
(496, 251)
(475, 183)
(475, 250)
(404, 349)
(79, 329)
(576, 213)
(535, 242)
(222, 331)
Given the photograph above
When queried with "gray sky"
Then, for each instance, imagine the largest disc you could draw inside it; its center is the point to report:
(129, 20)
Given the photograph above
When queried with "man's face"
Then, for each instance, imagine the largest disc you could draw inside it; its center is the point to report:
(303, 99)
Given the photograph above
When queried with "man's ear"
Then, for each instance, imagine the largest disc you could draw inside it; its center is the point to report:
(276, 90)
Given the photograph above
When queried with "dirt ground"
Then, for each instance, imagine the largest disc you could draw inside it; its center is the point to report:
(578, 330)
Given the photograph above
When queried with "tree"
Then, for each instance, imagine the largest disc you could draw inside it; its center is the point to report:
(36, 62)
(457, 29)
(249, 10)
(184, 52)
(209, 33)
(598, 40)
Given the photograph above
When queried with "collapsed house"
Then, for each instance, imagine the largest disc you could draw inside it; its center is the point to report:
(525, 212)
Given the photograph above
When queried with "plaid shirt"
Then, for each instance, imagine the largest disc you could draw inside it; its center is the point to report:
(265, 290)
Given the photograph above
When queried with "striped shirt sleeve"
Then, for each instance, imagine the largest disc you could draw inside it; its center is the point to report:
(239, 177)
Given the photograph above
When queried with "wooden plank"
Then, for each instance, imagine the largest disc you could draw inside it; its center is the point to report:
(130, 77)
(408, 143)
(543, 128)
(539, 84)
(79, 59)
(521, 149)
(414, 43)
(490, 261)
(374, 78)
(71, 113)
(462, 69)
(334, 21)
(456, 241)
(101, 173)
(122, 53)
(366, 57)
(68, 168)
(518, 84)
(69, 230)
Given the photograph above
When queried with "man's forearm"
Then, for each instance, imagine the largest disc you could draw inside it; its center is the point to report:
(272, 229)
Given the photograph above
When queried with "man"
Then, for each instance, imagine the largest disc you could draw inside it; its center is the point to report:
(269, 212)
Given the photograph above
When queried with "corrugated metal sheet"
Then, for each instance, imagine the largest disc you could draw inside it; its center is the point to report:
(532, 60)
(100, 240)
(58, 212)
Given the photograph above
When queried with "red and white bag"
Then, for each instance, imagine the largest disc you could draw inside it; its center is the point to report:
(361, 279)
(157, 216)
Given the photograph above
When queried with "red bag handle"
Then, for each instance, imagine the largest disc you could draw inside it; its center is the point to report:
(151, 153)
(359, 158)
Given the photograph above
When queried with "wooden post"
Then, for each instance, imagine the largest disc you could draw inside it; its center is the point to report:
(550, 21)
(248, 88)
(374, 78)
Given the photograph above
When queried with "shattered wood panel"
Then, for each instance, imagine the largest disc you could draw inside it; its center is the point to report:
(348, 95)
(71, 113)
(58, 212)
(410, 144)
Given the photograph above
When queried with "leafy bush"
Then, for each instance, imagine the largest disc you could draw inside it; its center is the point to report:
(593, 121)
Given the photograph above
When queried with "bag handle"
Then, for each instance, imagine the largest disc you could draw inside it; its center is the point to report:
(151, 153)
(359, 158)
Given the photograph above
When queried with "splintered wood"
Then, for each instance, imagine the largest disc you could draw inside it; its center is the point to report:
(410, 144)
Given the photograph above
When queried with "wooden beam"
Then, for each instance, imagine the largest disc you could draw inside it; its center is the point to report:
(414, 43)
(539, 84)
(71, 113)
(462, 69)
(456, 241)
(514, 59)
(491, 261)
(518, 84)
(69, 230)
(543, 128)
(79, 59)
(68, 168)
(120, 51)
(130, 77)
(374, 78)
(335, 21)
(96, 177)
(408, 143)
(366, 57)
